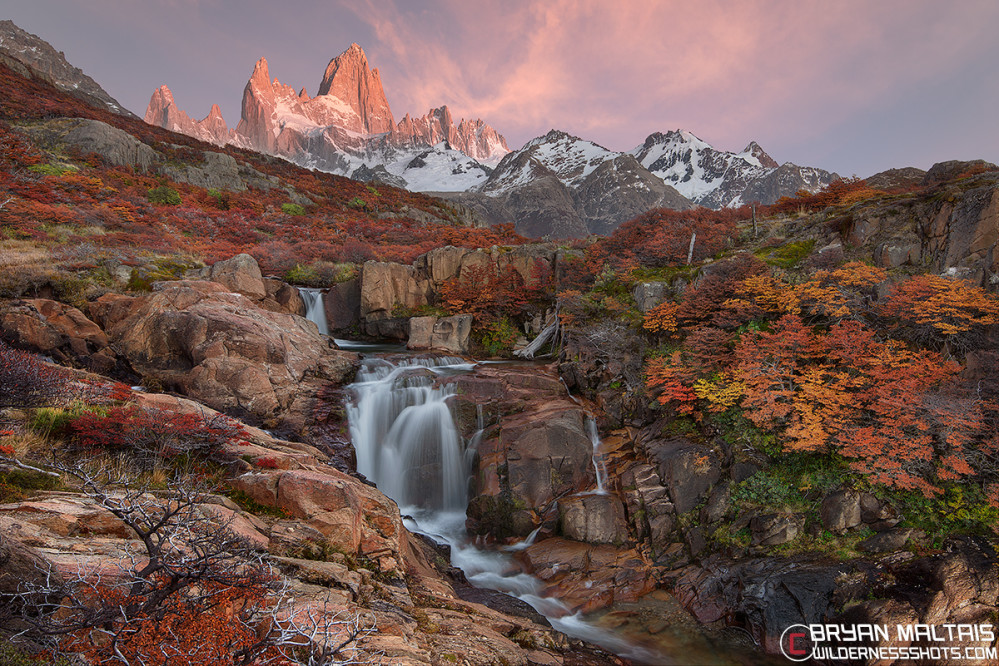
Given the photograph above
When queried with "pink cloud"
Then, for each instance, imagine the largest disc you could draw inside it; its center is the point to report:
(624, 70)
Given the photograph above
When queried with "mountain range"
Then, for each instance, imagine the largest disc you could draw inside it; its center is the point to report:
(557, 185)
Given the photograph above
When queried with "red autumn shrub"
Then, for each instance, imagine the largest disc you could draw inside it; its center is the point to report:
(155, 433)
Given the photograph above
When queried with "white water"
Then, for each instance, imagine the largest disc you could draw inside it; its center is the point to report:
(598, 459)
(407, 443)
(314, 309)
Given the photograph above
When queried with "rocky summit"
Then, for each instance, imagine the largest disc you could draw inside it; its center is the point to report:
(347, 128)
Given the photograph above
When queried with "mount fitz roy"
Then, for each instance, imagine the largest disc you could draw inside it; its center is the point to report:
(556, 185)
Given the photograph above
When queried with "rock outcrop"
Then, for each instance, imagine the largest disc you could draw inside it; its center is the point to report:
(84, 136)
(451, 334)
(220, 348)
(534, 451)
(952, 229)
(57, 330)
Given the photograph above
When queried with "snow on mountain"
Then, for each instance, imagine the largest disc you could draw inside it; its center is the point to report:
(347, 126)
(569, 158)
(718, 179)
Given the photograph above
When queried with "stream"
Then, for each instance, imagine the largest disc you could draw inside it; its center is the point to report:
(407, 443)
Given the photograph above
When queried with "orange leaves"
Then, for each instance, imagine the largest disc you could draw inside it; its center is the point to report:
(204, 629)
(844, 391)
(941, 309)
(662, 318)
(668, 377)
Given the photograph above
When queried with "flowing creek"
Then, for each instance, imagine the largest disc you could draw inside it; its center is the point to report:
(407, 443)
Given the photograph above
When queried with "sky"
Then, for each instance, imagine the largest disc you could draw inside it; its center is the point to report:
(850, 86)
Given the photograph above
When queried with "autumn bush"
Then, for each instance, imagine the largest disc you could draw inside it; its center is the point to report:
(154, 435)
(830, 369)
(28, 381)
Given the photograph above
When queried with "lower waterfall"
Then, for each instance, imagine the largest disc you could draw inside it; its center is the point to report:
(407, 444)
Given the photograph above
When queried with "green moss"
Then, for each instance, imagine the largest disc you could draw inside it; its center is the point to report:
(786, 256)
(292, 209)
(51, 169)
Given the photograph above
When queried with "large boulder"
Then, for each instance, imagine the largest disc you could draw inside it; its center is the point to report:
(58, 330)
(688, 470)
(444, 333)
(282, 297)
(534, 448)
(841, 511)
(353, 517)
(240, 274)
(343, 305)
(218, 347)
(386, 286)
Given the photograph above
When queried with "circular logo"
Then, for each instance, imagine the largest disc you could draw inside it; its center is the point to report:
(796, 643)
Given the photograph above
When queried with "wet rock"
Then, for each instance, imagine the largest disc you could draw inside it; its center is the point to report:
(587, 577)
(840, 511)
(766, 594)
(776, 528)
(593, 519)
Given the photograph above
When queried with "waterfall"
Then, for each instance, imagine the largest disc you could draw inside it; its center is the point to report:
(598, 459)
(315, 311)
(407, 443)
(404, 436)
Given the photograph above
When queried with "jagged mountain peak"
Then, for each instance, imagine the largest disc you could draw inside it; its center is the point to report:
(754, 149)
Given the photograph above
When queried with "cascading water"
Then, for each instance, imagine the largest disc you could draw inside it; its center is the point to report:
(315, 311)
(404, 436)
(407, 443)
(598, 459)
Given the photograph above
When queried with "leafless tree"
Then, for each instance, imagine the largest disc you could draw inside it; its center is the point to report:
(186, 558)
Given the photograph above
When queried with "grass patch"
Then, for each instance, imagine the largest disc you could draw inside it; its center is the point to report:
(250, 505)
